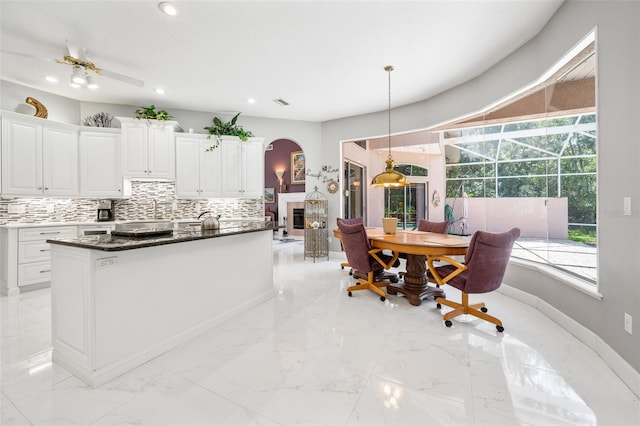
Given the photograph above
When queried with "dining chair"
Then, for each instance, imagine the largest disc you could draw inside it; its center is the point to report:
(430, 226)
(368, 266)
(350, 222)
(482, 272)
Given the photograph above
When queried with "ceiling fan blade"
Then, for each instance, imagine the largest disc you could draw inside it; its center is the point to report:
(24, 55)
(123, 78)
(74, 50)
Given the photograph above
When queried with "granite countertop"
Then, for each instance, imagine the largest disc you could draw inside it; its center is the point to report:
(180, 235)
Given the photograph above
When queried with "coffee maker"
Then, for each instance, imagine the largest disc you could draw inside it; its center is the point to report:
(105, 210)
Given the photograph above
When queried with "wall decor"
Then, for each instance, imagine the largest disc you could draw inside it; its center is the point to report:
(269, 195)
(41, 110)
(332, 186)
(99, 119)
(298, 171)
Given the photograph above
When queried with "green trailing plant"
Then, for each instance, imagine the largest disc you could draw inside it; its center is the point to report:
(229, 128)
(150, 113)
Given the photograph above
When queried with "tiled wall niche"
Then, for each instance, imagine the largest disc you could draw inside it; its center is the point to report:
(139, 206)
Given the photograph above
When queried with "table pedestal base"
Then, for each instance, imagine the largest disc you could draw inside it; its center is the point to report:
(415, 287)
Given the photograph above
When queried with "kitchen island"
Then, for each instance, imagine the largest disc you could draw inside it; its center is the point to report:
(119, 302)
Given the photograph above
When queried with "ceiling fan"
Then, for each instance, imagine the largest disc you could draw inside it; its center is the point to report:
(83, 68)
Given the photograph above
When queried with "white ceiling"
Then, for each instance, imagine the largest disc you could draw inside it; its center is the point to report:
(325, 58)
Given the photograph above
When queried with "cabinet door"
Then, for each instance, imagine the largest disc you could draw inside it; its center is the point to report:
(187, 167)
(252, 169)
(231, 165)
(210, 170)
(135, 162)
(60, 160)
(21, 156)
(100, 174)
(161, 151)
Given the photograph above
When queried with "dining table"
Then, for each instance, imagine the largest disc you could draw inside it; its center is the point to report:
(417, 245)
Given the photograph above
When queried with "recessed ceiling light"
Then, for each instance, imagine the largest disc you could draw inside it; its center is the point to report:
(159, 90)
(281, 102)
(168, 8)
(251, 100)
(51, 79)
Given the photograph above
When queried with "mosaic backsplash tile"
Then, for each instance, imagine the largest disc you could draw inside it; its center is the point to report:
(138, 207)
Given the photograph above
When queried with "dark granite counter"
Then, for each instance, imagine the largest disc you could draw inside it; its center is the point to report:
(180, 235)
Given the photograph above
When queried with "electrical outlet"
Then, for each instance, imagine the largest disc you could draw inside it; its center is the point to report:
(628, 324)
(16, 208)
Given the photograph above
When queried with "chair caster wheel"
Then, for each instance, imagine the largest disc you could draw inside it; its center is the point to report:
(393, 280)
(350, 272)
(500, 328)
(448, 323)
(341, 267)
(382, 298)
(483, 309)
(350, 294)
(438, 306)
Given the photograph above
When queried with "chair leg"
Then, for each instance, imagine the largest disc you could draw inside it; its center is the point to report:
(465, 308)
(369, 284)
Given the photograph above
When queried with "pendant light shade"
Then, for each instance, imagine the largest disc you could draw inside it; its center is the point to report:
(390, 177)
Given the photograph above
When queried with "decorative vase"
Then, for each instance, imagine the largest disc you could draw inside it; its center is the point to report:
(389, 225)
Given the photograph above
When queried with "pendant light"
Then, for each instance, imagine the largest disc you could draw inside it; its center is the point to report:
(390, 177)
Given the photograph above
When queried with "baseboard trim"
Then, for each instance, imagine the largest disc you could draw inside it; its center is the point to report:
(619, 365)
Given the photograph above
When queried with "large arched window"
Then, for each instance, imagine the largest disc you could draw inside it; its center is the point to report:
(532, 163)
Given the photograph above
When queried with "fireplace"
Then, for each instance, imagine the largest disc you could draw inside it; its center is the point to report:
(286, 203)
(298, 218)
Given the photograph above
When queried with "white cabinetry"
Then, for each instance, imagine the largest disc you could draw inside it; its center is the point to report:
(100, 156)
(26, 257)
(148, 148)
(242, 166)
(39, 158)
(198, 172)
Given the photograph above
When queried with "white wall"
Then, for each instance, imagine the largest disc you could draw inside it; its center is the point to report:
(12, 98)
(618, 42)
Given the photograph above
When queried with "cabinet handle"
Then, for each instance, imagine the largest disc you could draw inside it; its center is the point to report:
(50, 233)
(45, 250)
(44, 271)
(39, 187)
(46, 188)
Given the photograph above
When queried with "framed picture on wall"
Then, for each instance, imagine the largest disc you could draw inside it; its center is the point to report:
(269, 195)
(298, 170)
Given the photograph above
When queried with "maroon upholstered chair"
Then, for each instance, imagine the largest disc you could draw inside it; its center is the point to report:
(482, 272)
(429, 226)
(367, 265)
(349, 222)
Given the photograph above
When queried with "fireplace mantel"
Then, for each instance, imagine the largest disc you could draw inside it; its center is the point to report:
(283, 200)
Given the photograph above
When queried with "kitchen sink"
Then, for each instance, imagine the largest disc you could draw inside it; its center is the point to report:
(144, 224)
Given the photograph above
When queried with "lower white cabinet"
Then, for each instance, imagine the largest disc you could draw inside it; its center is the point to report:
(25, 255)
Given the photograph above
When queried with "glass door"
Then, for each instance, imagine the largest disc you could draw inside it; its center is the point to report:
(407, 204)
(353, 190)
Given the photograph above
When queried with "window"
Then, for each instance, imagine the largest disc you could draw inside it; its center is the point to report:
(532, 163)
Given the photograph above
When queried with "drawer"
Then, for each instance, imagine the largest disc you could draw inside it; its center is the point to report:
(32, 273)
(33, 251)
(48, 232)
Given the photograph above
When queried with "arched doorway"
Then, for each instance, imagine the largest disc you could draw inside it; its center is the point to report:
(284, 173)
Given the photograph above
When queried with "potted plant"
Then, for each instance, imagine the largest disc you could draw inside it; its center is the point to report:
(150, 113)
(230, 128)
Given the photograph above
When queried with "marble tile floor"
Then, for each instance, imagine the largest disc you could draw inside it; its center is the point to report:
(313, 356)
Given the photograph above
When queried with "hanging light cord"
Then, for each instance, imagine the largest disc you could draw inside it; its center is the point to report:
(388, 69)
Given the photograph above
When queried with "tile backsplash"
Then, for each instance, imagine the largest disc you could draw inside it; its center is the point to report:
(139, 206)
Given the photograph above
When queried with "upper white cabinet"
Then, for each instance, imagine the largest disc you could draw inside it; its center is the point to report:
(242, 166)
(39, 158)
(198, 173)
(148, 148)
(100, 156)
